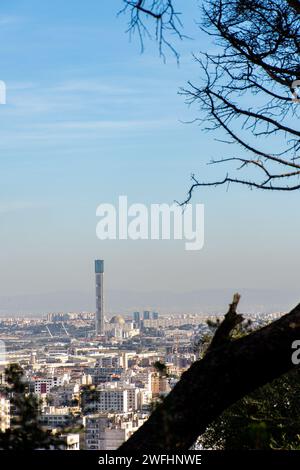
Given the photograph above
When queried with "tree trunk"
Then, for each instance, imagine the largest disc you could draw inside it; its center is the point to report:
(226, 374)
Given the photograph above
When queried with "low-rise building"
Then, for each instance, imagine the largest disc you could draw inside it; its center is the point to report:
(56, 417)
(64, 395)
(109, 431)
(43, 385)
(70, 441)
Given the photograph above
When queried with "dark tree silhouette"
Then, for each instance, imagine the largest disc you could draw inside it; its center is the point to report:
(25, 432)
(231, 369)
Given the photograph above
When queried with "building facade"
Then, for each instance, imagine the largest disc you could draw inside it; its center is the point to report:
(99, 275)
(4, 414)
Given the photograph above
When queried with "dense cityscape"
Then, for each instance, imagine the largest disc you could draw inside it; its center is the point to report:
(98, 378)
(149, 192)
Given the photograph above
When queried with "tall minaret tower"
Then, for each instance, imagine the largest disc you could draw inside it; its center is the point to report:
(99, 320)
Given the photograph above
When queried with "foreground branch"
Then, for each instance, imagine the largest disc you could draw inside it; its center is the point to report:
(226, 374)
(222, 335)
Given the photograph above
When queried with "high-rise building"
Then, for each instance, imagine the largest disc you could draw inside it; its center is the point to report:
(136, 317)
(99, 320)
(146, 315)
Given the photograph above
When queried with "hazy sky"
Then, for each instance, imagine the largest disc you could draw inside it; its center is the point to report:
(88, 118)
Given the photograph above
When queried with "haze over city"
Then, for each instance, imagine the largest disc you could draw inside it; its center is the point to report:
(89, 118)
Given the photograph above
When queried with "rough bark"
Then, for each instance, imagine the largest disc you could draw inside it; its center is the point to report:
(223, 376)
(222, 335)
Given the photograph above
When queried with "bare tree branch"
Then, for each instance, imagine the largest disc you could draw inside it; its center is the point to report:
(258, 63)
(167, 23)
(222, 335)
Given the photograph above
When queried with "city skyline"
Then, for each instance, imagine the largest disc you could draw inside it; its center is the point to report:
(80, 127)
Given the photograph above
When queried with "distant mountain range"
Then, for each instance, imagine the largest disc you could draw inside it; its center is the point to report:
(203, 300)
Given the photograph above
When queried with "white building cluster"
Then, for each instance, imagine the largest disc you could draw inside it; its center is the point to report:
(4, 414)
(95, 391)
(106, 394)
(109, 431)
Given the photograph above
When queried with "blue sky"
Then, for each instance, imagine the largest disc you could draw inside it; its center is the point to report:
(89, 118)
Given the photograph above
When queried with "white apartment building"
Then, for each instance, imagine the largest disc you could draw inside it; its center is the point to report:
(70, 441)
(111, 397)
(112, 438)
(54, 417)
(109, 361)
(108, 431)
(64, 394)
(141, 378)
(112, 400)
(4, 414)
(132, 398)
(43, 385)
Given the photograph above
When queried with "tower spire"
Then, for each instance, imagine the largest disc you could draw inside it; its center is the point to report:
(99, 317)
